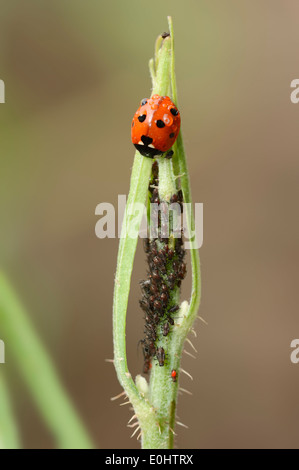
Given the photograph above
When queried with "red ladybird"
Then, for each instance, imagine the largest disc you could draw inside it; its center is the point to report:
(155, 126)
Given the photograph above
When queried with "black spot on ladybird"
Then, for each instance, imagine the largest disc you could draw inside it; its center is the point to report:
(146, 140)
(174, 111)
(142, 118)
(160, 123)
(171, 135)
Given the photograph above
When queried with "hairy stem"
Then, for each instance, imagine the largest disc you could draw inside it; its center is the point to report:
(155, 404)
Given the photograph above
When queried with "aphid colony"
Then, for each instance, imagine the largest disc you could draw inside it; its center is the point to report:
(166, 270)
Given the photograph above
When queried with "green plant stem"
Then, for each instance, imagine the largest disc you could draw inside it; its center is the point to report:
(163, 59)
(163, 393)
(194, 254)
(167, 186)
(9, 435)
(127, 247)
(138, 194)
(154, 405)
(38, 371)
(181, 170)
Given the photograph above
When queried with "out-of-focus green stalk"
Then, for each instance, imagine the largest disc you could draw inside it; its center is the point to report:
(38, 371)
(9, 435)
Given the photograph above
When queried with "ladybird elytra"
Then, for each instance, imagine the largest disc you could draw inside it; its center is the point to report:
(155, 126)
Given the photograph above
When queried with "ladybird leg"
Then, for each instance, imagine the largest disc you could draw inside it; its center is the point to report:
(169, 154)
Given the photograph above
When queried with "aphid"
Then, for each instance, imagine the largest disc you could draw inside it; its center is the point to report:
(155, 193)
(152, 348)
(145, 285)
(166, 328)
(175, 266)
(155, 169)
(153, 249)
(157, 305)
(154, 288)
(149, 348)
(155, 200)
(155, 275)
(179, 241)
(157, 261)
(164, 288)
(155, 126)
(147, 365)
(151, 332)
(174, 198)
(160, 355)
(173, 309)
(171, 280)
(182, 270)
(154, 318)
(146, 245)
(144, 305)
(162, 254)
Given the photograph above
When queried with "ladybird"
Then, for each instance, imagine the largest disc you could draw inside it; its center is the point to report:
(155, 126)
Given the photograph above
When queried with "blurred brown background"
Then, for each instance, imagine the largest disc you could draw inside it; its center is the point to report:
(74, 74)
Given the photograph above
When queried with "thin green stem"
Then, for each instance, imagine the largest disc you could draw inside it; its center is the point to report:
(127, 247)
(154, 405)
(38, 372)
(9, 435)
(181, 170)
(163, 393)
(162, 84)
(138, 195)
(167, 186)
